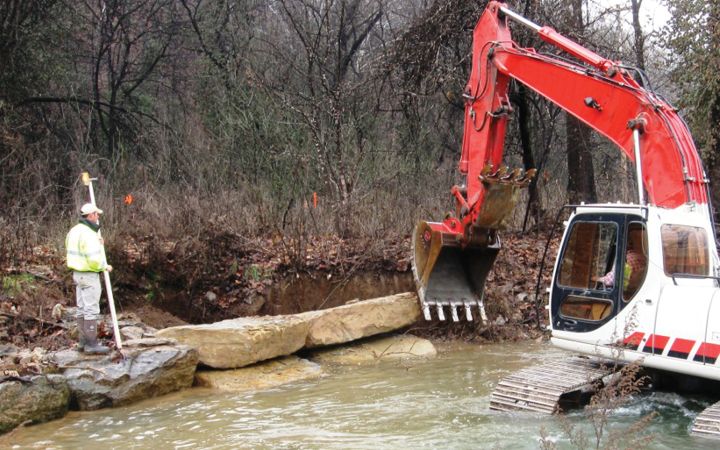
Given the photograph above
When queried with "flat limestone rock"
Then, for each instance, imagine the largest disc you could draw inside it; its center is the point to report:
(235, 343)
(264, 375)
(361, 319)
(375, 350)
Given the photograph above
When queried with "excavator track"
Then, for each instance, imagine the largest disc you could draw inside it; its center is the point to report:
(707, 423)
(540, 388)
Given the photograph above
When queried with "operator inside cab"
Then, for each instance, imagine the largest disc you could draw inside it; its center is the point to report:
(635, 265)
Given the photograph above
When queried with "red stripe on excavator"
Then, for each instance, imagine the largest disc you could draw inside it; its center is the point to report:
(634, 339)
(656, 344)
(708, 350)
(682, 346)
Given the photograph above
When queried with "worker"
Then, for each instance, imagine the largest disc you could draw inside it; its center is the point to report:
(635, 264)
(86, 258)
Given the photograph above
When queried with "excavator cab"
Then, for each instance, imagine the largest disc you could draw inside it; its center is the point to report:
(600, 268)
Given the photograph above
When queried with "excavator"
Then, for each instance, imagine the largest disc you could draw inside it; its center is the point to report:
(632, 281)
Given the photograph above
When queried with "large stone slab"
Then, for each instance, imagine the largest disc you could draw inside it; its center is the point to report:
(235, 343)
(144, 371)
(361, 319)
(32, 400)
(263, 375)
(376, 349)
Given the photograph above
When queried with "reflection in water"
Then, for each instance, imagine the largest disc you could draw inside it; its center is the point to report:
(440, 403)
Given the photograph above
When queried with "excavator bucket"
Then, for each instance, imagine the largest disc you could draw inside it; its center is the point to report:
(450, 270)
(450, 278)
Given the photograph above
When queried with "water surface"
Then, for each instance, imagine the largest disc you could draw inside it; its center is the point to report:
(436, 404)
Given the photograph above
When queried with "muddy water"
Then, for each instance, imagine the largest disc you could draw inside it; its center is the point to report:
(436, 404)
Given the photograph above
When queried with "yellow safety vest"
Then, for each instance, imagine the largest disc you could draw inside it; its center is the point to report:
(84, 252)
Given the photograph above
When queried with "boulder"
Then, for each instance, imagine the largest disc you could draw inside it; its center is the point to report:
(376, 349)
(131, 333)
(144, 371)
(131, 327)
(263, 375)
(32, 400)
(235, 343)
(361, 319)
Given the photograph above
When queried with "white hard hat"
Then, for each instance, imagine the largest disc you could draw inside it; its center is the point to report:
(89, 208)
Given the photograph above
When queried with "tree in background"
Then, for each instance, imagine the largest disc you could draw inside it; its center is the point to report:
(256, 105)
(581, 170)
(693, 38)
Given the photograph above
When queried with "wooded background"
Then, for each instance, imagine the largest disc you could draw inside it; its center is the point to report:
(230, 114)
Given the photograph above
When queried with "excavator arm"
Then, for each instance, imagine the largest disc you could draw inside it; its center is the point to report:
(452, 258)
(610, 101)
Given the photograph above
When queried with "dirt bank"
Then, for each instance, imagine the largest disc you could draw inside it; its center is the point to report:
(214, 277)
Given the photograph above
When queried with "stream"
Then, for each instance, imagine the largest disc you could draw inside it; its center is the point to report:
(435, 404)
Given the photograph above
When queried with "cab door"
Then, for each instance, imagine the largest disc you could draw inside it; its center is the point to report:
(582, 298)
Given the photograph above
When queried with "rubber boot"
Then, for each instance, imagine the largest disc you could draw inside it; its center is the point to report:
(82, 339)
(91, 344)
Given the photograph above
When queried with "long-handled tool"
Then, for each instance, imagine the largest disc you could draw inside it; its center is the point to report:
(87, 181)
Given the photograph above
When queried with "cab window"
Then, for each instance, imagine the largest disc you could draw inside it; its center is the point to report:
(589, 254)
(585, 308)
(685, 250)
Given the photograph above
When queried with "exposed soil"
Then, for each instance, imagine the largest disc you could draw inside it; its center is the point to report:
(210, 278)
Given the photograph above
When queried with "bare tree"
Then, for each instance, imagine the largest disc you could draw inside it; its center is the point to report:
(126, 42)
(324, 84)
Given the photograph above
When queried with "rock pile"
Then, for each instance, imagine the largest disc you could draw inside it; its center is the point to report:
(257, 349)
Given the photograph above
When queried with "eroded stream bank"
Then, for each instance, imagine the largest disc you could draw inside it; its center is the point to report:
(437, 403)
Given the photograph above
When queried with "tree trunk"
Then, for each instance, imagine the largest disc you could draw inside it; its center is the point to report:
(639, 37)
(524, 118)
(581, 173)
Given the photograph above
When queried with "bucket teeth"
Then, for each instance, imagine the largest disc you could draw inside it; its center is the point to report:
(512, 176)
(441, 314)
(426, 312)
(529, 175)
(504, 175)
(468, 312)
(455, 310)
(486, 170)
(481, 307)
